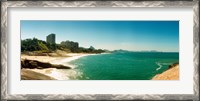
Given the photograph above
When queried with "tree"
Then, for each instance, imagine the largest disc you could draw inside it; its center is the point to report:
(43, 47)
(34, 45)
(92, 48)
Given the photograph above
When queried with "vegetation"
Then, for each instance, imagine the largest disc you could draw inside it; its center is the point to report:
(90, 50)
(35, 45)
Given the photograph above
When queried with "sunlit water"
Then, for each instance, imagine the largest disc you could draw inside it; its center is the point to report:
(122, 65)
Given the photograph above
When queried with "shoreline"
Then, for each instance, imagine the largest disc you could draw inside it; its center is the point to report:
(49, 73)
(72, 56)
(170, 74)
(54, 74)
(61, 60)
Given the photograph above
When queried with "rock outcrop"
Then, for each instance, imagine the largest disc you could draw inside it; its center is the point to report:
(34, 64)
(173, 65)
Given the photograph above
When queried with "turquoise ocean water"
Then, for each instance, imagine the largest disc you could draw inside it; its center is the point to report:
(123, 65)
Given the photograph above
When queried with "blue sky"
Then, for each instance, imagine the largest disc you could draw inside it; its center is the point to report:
(111, 35)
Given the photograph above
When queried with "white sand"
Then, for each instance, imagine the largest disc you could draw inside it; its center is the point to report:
(56, 60)
(65, 61)
(40, 58)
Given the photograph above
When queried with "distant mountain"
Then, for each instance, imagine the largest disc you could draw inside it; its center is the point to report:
(120, 51)
(150, 51)
(123, 51)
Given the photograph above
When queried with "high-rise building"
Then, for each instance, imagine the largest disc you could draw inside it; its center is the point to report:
(51, 38)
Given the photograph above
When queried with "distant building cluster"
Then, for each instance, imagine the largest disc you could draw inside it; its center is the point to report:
(51, 38)
(51, 46)
(73, 46)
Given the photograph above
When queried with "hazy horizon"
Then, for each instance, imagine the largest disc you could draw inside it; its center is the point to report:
(160, 36)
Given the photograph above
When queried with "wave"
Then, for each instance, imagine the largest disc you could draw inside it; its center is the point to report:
(160, 66)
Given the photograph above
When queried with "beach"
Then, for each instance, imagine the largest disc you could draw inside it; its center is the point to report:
(50, 73)
(56, 60)
(114, 66)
